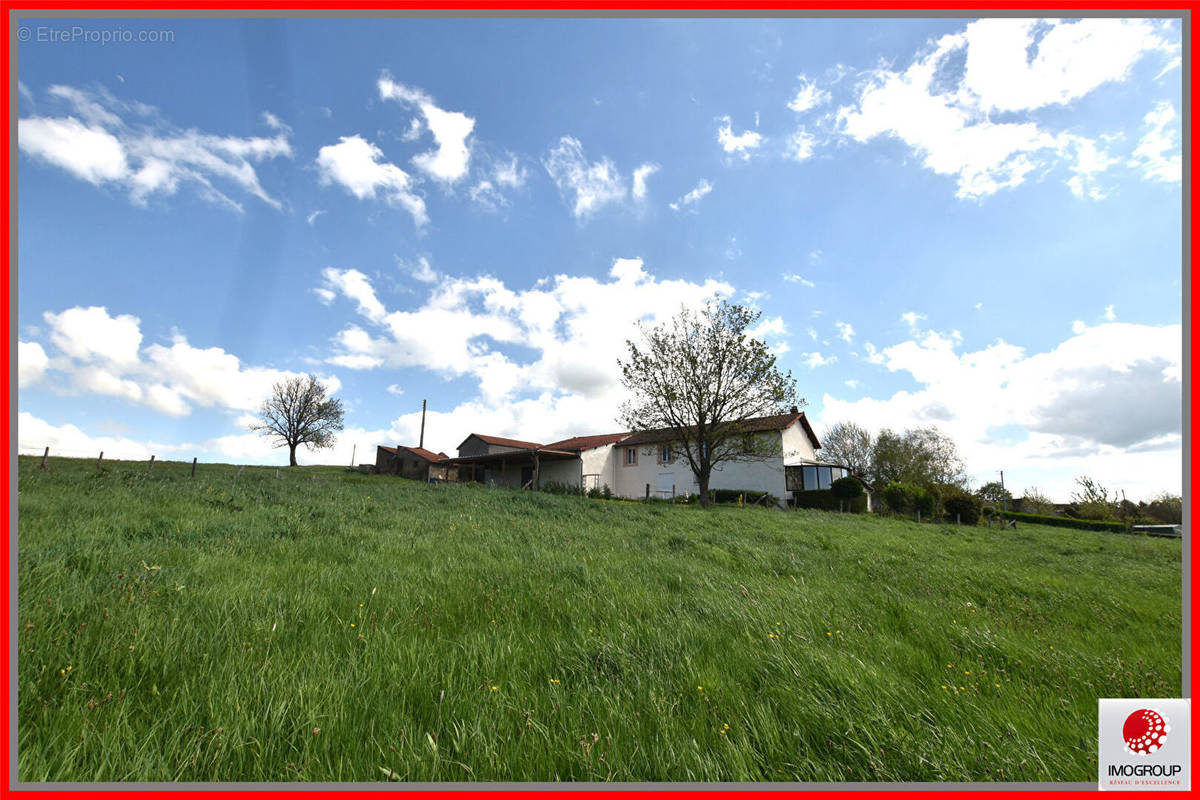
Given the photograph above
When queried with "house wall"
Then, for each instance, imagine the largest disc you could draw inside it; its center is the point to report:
(797, 447)
(474, 446)
(762, 475)
(385, 462)
(600, 461)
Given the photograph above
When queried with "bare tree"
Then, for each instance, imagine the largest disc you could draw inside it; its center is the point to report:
(298, 412)
(701, 377)
(849, 445)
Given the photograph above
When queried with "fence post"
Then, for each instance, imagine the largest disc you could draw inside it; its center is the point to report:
(150, 466)
(44, 455)
(918, 516)
(276, 473)
(194, 465)
(647, 487)
(958, 519)
(100, 460)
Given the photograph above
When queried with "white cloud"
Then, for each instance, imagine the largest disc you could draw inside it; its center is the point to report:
(808, 96)
(510, 173)
(424, 272)
(912, 319)
(943, 105)
(124, 144)
(395, 389)
(90, 334)
(358, 166)
(587, 186)
(451, 161)
(741, 144)
(800, 279)
(689, 201)
(852, 383)
(574, 327)
(274, 123)
(354, 284)
(34, 433)
(639, 179)
(845, 331)
(1105, 393)
(312, 218)
(1110, 313)
(1158, 151)
(101, 354)
(801, 145)
(814, 360)
(1078, 326)
(31, 363)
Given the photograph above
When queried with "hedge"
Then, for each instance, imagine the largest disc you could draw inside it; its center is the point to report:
(826, 500)
(1063, 522)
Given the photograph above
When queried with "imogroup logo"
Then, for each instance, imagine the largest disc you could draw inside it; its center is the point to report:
(1145, 731)
(1145, 744)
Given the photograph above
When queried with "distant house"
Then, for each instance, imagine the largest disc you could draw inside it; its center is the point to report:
(650, 463)
(413, 462)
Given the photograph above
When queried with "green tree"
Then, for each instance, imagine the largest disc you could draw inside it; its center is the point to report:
(298, 412)
(1093, 500)
(701, 376)
(995, 494)
(1036, 502)
(919, 456)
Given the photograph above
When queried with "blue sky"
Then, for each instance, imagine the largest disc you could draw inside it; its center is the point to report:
(970, 224)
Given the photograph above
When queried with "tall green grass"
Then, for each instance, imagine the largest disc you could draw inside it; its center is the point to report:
(329, 626)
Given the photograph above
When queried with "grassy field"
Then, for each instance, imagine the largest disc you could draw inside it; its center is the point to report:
(331, 626)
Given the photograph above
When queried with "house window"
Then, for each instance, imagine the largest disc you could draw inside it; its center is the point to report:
(664, 453)
(824, 478)
(630, 456)
(809, 477)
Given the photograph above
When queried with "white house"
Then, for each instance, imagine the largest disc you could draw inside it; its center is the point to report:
(649, 463)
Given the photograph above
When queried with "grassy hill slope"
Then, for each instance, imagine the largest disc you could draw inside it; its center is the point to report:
(334, 626)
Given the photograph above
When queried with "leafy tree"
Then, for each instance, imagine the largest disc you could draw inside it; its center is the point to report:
(964, 507)
(1166, 507)
(1092, 499)
(848, 444)
(1035, 502)
(921, 456)
(298, 412)
(701, 376)
(995, 494)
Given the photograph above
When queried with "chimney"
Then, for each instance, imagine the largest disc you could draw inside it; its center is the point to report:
(795, 410)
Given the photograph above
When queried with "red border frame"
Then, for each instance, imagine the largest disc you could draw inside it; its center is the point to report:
(933, 6)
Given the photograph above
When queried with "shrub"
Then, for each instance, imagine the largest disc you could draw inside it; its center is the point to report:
(1062, 522)
(964, 507)
(903, 498)
(825, 500)
(847, 488)
(606, 492)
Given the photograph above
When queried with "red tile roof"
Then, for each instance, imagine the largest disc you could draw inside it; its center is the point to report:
(428, 455)
(588, 442)
(504, 442)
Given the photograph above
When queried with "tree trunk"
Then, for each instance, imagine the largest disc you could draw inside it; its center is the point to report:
(703, 481)
(292, 455)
